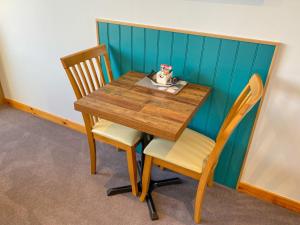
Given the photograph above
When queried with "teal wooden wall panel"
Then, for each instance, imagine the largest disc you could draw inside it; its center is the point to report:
(194, 52)
(240, 76)
(103, 33)
(138, 49)
(151, 48)
(165, 45)
(179, 49)
(225, 65)
(114, 49)
(125, 48)
(210, 56)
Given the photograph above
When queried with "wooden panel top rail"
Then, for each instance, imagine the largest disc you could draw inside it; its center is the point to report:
(183, 31)
(154, 112)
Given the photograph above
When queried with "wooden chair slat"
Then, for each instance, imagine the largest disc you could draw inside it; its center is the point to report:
(97, 83)
(98, 62)
(108, 67)
(78, 80)
(89, 76)
(83, 77)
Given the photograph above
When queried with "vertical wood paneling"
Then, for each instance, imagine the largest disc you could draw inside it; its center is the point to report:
(114, 49)
(240, 76)
(138, 49)
(192, 58)
(125, 44)
(165, 47)
(260, 65)
(103, 39)
(151, 48)
(225, 65)
(221, 84)
(209, 61)
(178, 56)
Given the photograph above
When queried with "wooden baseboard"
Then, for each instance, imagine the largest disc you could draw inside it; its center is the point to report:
(269, 197)
(2, 100)
(45, 115)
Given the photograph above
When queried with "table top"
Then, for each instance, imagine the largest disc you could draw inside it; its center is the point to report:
(154, 112)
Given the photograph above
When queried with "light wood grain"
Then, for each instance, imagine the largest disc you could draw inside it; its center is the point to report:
(269, 196)
(86, 76)
(154, 112)
(243, 104)
(45, 115)
(1, 95)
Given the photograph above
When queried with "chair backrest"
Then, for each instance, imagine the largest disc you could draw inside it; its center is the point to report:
(84, 70)
(250, 95)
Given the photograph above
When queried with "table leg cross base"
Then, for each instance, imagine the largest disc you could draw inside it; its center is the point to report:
(153, 184)
(118, 190)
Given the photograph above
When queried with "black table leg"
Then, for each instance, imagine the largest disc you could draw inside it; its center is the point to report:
(118, 190)
(153, 183)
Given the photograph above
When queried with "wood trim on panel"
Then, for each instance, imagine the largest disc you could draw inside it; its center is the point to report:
(270, 72)
(2, 100)
(187, 32)
(45, 115)
(269, 197)
(97, 34)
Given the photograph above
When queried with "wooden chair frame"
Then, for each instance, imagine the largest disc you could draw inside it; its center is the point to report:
(243, 104)
(85, 73)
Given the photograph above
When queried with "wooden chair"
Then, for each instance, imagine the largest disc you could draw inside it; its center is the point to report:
(196, 155)
(86, 75)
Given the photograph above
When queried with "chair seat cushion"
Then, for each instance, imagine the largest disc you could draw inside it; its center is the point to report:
(189, 151)
(117, 132)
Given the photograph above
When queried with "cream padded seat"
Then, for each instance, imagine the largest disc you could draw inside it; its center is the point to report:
(189, 151)
(117, 132)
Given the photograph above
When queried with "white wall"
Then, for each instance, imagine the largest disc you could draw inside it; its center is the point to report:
(34, 34)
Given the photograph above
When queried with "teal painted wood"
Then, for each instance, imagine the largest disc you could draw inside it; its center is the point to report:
(103, 39)
(246, 53)
(151, 50)
(207, 72)
(225, 65)
(114, 49)
(165, 47)
(192, 62)
(179, 51)
(126, 48)
(260, 65)
(138, 49)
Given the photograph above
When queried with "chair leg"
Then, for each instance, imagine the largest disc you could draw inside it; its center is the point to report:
(92, 146)
(146, 177)
(210, 181)
(132, 170)
(199, 200)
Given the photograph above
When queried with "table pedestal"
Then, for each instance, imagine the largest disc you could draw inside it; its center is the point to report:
(153, 183)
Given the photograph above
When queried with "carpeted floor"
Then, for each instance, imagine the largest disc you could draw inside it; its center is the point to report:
(44, 179)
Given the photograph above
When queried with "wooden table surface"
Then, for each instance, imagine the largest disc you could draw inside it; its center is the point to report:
(154, 112)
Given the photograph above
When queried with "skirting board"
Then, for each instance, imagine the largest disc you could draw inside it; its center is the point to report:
(242, 187)
(45, 115)
(269, 197)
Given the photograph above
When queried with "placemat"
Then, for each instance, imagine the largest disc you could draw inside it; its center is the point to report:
(174, 89)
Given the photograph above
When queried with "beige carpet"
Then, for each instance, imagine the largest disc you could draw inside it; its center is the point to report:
(44, 179)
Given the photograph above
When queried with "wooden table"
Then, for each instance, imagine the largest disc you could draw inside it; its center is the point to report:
(153, 112)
